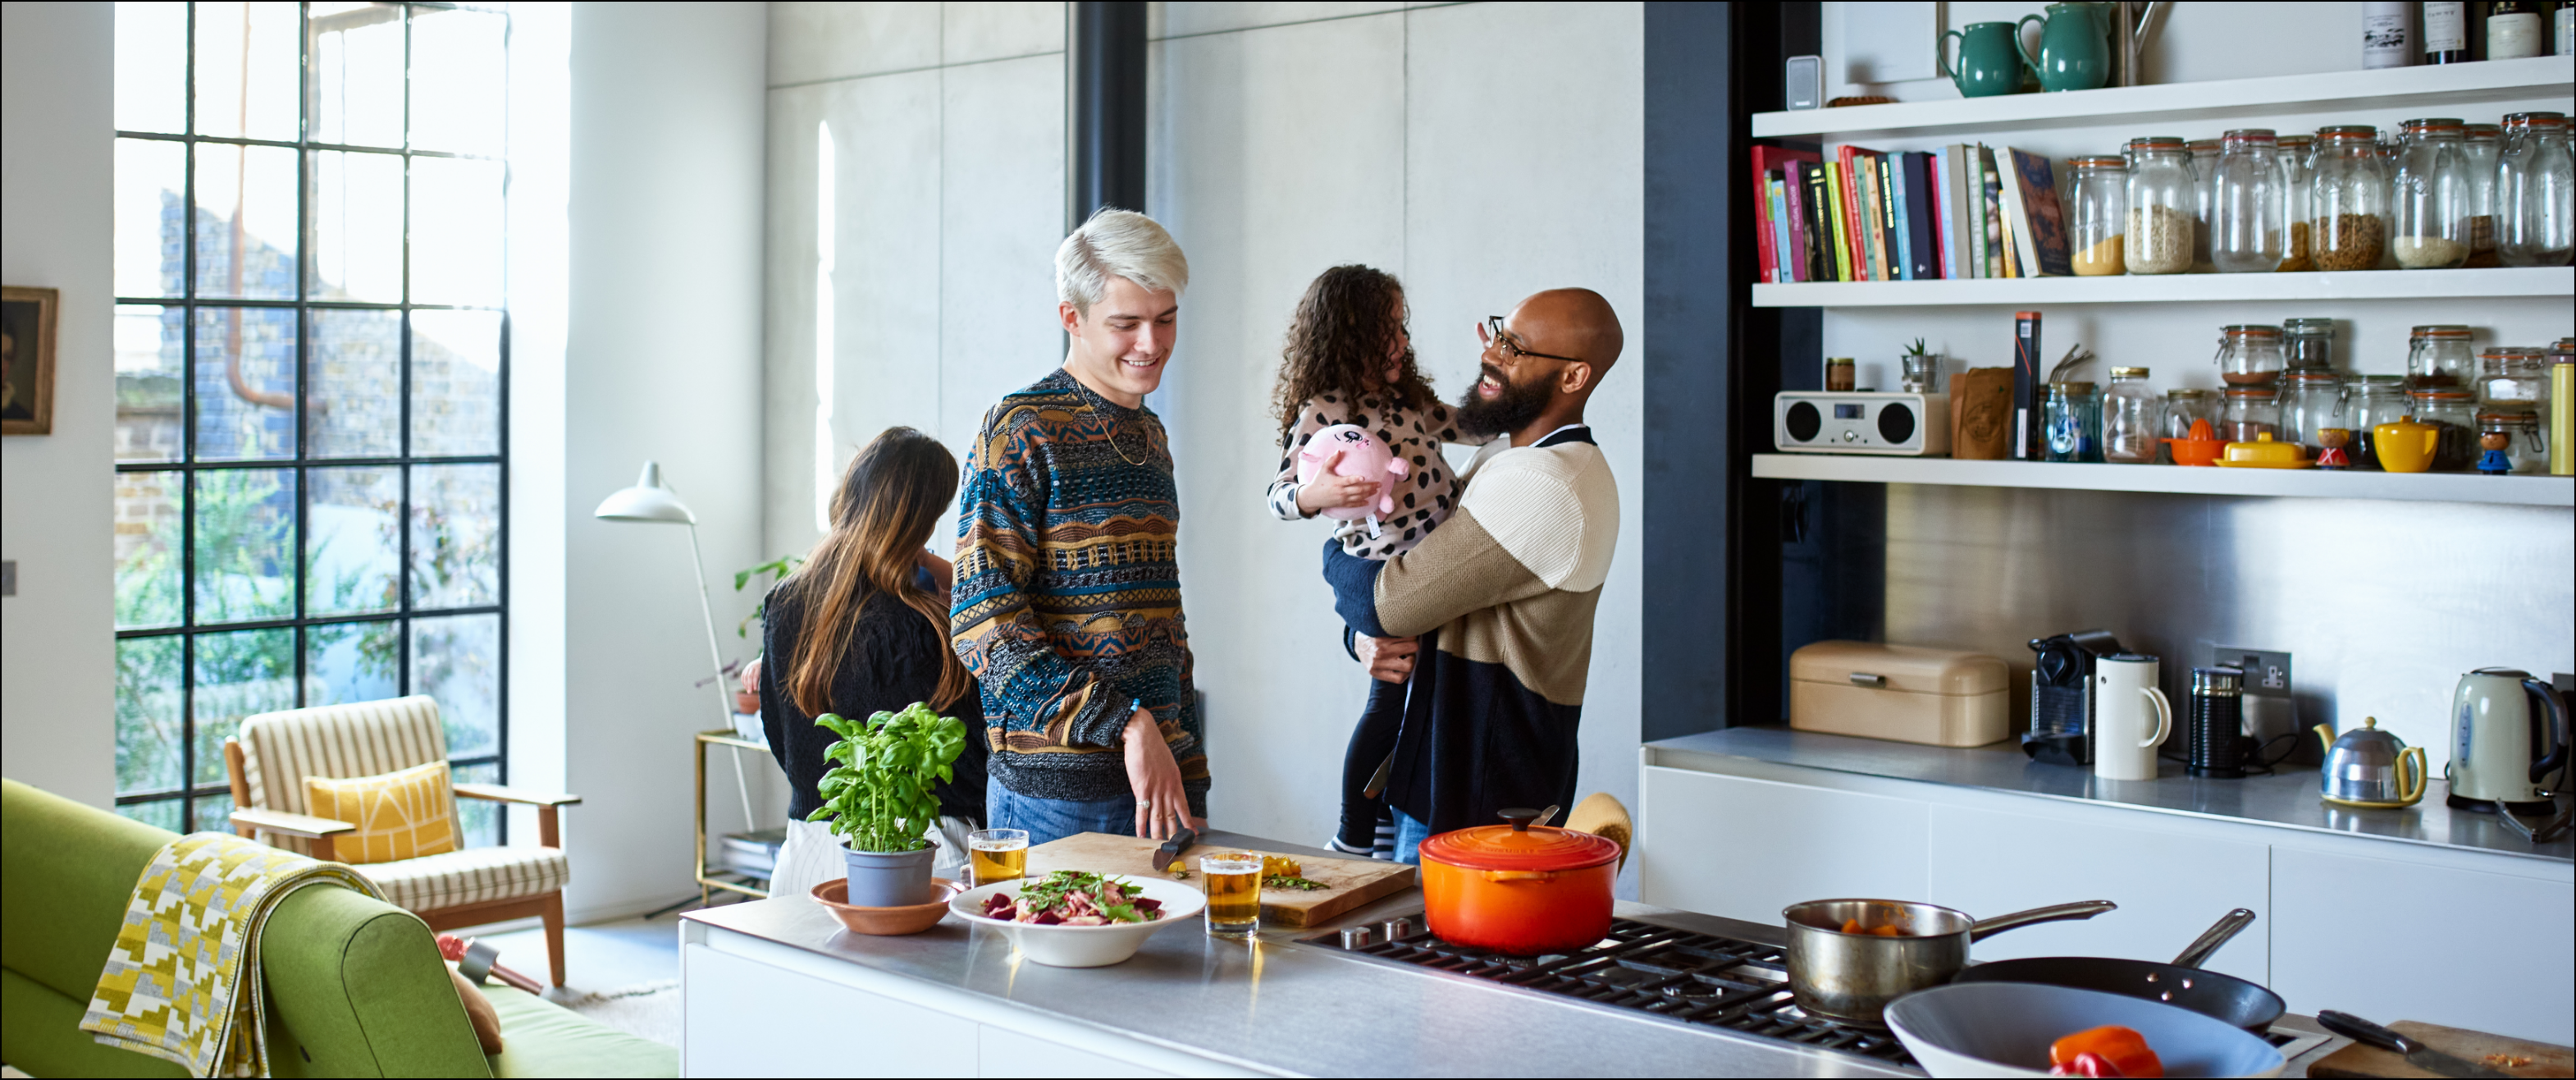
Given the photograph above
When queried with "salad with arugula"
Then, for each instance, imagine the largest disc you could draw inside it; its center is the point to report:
(1074, 898)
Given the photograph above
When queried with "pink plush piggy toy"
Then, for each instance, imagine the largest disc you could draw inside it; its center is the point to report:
(1362, 455)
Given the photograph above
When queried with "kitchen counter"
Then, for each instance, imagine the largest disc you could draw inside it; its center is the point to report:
(2288, 800)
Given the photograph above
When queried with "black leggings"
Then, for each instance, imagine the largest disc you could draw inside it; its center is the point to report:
(1371, 741)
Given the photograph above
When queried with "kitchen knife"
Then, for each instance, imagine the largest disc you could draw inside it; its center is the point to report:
(1172, 848)
(2417, 1054)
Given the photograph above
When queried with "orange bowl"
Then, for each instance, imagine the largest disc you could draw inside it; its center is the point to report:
(886, 921)
(2196, 451)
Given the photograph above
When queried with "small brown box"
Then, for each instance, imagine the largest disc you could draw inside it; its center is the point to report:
(1981, 413)
(1939, 697)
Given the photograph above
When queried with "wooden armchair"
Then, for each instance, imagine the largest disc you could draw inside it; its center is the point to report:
(275, 752)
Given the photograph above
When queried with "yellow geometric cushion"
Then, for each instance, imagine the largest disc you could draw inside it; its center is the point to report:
(399, 815)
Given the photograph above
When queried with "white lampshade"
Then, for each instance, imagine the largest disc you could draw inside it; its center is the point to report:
(648, 500)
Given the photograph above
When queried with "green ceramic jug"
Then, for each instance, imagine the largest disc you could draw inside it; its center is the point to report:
(2074, 46)
(1990, 59)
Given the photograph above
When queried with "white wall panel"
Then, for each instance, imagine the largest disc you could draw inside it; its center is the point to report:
(810, 42)
(1220, 16)
(1001, 215)
(1000, 29)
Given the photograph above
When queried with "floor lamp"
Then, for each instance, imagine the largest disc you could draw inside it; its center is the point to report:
(650, 502)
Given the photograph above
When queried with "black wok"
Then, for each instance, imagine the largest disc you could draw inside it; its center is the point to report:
(2182, 982)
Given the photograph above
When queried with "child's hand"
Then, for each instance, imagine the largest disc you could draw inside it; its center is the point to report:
(1328, 491)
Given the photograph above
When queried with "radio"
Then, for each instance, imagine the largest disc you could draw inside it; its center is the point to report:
(1861, 422)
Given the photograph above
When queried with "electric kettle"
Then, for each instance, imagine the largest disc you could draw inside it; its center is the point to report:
(2508, 736)
(2370, 768)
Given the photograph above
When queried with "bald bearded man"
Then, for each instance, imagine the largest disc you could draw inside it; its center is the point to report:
(1502, 596)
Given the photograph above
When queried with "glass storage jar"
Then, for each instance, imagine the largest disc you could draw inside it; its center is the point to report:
(2534, 182)
(2428, 227)
(2249, 354)
(2369, 401)
(2512, 378)
(2161, 213)
(2074, 422)
(2130, 418)
(2245, 204)
(2455, 412)
(2182, 407)
(2298, 174)
(2482, 148)
(2438, 356)
(2525, 446)
(2348, 200)
(2204, 200)
(2307, 344)
(2248, 412)
(2098, 218)
(2310, 400)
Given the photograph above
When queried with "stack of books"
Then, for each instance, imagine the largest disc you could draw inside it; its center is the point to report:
(1967, 211)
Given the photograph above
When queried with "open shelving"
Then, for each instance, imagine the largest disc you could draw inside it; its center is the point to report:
(2176, 288)
(2559, 491)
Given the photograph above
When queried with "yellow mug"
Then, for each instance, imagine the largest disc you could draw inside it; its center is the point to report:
(2405, 446)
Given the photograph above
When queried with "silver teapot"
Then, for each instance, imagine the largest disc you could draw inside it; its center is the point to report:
(2367, 767)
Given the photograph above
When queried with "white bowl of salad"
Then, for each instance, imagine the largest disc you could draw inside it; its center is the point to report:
(1075, 918)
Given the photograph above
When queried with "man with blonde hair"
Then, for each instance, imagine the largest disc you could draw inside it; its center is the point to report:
(1067, 605)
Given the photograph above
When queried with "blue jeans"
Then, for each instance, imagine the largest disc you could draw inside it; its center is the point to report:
(1054, 819)
(1409, 835)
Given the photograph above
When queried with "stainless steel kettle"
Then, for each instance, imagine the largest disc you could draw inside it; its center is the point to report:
(2368, 767)
(2508, 738)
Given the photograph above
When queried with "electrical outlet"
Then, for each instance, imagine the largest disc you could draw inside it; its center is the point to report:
(2267, 673)
(9, 578)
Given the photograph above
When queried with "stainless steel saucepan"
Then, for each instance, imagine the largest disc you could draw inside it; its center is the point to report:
(1851, 977)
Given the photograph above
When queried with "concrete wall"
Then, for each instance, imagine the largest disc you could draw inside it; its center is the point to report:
(1481, 152)
(57, 158)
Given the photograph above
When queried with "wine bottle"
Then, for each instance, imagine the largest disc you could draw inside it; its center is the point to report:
(2446, 33)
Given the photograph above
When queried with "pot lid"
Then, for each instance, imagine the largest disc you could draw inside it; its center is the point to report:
(1518, 846)
(2368, 734)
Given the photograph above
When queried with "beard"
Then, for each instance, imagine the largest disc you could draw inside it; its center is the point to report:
(1517, 407)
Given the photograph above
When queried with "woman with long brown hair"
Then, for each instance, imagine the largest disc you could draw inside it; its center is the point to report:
(861, 628)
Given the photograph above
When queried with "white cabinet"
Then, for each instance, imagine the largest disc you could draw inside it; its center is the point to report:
(746, 1018)
(1745, 848)
(2170, 885)
(2402, 941)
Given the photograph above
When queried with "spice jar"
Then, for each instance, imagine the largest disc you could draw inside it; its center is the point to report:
(2310, 400)
(2249, 355)
(2307, 344)
(2534, 181)
(2451, 410)
(2348, 202)
(2372, 400)
(2161, 213)
(2482, 149)
(2429, 226)
(2513, 379)
(2130, 418)
(2245, 204)
(1839, 375)
(2204, 200)
(2298, 174)
(2438, 356)
(2099, 215)
(2249, 413)
(2524, 445)
(2182, 407)
(2074, 422)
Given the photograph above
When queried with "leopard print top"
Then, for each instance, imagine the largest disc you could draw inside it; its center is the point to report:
(1423, 498)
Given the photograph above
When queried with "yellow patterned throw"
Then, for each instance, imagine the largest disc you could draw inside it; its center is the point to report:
(182, 983)
(403, 814)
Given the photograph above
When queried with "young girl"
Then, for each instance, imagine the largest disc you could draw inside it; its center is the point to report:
(1349, 361)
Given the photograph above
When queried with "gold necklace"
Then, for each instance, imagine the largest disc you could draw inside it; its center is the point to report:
(1116, 426)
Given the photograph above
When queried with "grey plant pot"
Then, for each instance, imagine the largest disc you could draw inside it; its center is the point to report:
(889, 878)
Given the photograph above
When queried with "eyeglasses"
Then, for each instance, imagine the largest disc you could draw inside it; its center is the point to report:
(1491, 332)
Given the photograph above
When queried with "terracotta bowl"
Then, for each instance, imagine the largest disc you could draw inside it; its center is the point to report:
(886, 921)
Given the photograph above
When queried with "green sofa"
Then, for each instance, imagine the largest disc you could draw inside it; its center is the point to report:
(355, 985)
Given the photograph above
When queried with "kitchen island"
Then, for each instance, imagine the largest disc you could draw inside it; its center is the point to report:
(1988, 831)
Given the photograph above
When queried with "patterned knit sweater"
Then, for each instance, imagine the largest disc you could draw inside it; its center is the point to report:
(1068, 599)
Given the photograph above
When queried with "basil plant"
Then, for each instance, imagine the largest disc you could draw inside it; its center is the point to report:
(877, 794)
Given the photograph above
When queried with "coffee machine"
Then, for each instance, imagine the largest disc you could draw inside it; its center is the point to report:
(2061, 696)
(2508, 742)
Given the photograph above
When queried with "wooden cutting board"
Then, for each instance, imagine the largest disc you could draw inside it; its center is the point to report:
(1348, 883)
(2469, 1046)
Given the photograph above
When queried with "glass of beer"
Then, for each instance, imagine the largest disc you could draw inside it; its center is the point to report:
(997, 855)
(1233, 883)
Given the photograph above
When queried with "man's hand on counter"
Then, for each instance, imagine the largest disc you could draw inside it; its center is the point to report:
(1161, 805)
(1389, 659)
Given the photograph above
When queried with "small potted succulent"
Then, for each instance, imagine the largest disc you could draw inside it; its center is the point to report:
(877, 797)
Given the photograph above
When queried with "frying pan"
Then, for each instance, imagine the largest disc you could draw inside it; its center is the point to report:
(2183, 982)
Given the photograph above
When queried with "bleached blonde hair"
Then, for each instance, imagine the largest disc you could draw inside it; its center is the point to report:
(1117, 243)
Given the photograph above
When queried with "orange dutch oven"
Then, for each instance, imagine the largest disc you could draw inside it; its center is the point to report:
(1518, 889)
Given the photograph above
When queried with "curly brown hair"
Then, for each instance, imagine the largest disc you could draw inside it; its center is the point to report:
(1337, 343)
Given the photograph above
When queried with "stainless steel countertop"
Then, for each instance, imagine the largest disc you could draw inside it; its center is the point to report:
(1297, 1010)
(2288, 800)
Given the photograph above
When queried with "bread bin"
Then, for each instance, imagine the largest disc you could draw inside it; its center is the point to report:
(1938, 697)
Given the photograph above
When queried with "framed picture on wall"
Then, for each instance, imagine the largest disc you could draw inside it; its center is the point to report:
(27, 360)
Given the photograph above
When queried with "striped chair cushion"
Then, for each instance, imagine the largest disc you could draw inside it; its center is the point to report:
(471, 876)
(367, 738)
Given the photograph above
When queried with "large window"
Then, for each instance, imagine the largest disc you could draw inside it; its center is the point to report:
(311, 368)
